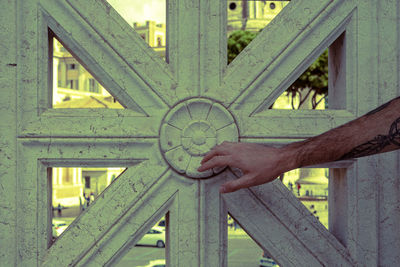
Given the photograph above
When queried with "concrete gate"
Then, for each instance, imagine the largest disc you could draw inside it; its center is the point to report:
(176, 111)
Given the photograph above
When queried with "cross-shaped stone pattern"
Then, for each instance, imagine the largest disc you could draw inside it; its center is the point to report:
(187, 107)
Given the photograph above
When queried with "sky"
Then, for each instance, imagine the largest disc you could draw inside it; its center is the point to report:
(140, 10)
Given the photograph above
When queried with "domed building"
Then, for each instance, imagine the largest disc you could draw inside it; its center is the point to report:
(252, 15)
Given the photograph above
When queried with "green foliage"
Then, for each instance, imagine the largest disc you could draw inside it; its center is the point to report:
(314, 80)
(237, 41)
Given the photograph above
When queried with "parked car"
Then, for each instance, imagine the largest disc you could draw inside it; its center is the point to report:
(267, 261)
(58, 226)
(156, 263)
(154, 237)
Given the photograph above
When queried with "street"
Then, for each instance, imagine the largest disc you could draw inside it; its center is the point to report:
(242, 252)
(141, 256)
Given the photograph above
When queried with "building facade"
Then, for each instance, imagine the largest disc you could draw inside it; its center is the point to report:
(74, 86)
(252, 15)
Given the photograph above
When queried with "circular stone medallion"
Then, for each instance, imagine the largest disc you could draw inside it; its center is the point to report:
(190, 130)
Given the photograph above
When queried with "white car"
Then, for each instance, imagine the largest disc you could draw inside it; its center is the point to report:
(154, 237)
(156, 263)
(58, 227)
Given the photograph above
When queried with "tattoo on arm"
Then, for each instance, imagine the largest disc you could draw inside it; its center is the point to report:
(377, 144)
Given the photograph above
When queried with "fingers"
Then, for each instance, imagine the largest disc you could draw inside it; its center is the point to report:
(217, 151)
(247, 180)
(213, 152)
(234, 185)
(216, 161)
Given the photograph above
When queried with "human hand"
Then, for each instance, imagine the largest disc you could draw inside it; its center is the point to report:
(260, 164)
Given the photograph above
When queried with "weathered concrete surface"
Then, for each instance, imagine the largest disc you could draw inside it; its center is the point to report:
(8, 90)
(365, 37)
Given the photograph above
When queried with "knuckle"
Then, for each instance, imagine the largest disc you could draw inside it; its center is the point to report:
(212, 162)
(222, 161)
(219, 161)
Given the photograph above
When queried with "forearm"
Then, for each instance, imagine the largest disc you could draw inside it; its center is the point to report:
(375, 132)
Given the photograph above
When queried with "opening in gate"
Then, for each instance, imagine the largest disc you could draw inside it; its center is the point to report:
(148, 19)
(311, 187)
(73, 85)
(246, 18)
(149, 250)
(74, 189)
(243, 250)
(310, 90)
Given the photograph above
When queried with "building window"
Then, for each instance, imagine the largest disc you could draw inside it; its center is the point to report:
(143, 36)
(159, 41)
(87, 182)
(72, 66)
(67, 175)
(272, 6)
(93, 86)
(73, 84)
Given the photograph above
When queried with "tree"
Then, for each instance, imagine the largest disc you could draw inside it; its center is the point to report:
(312, 83)
(237, 41)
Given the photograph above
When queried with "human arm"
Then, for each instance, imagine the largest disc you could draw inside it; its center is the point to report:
(376, 132)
